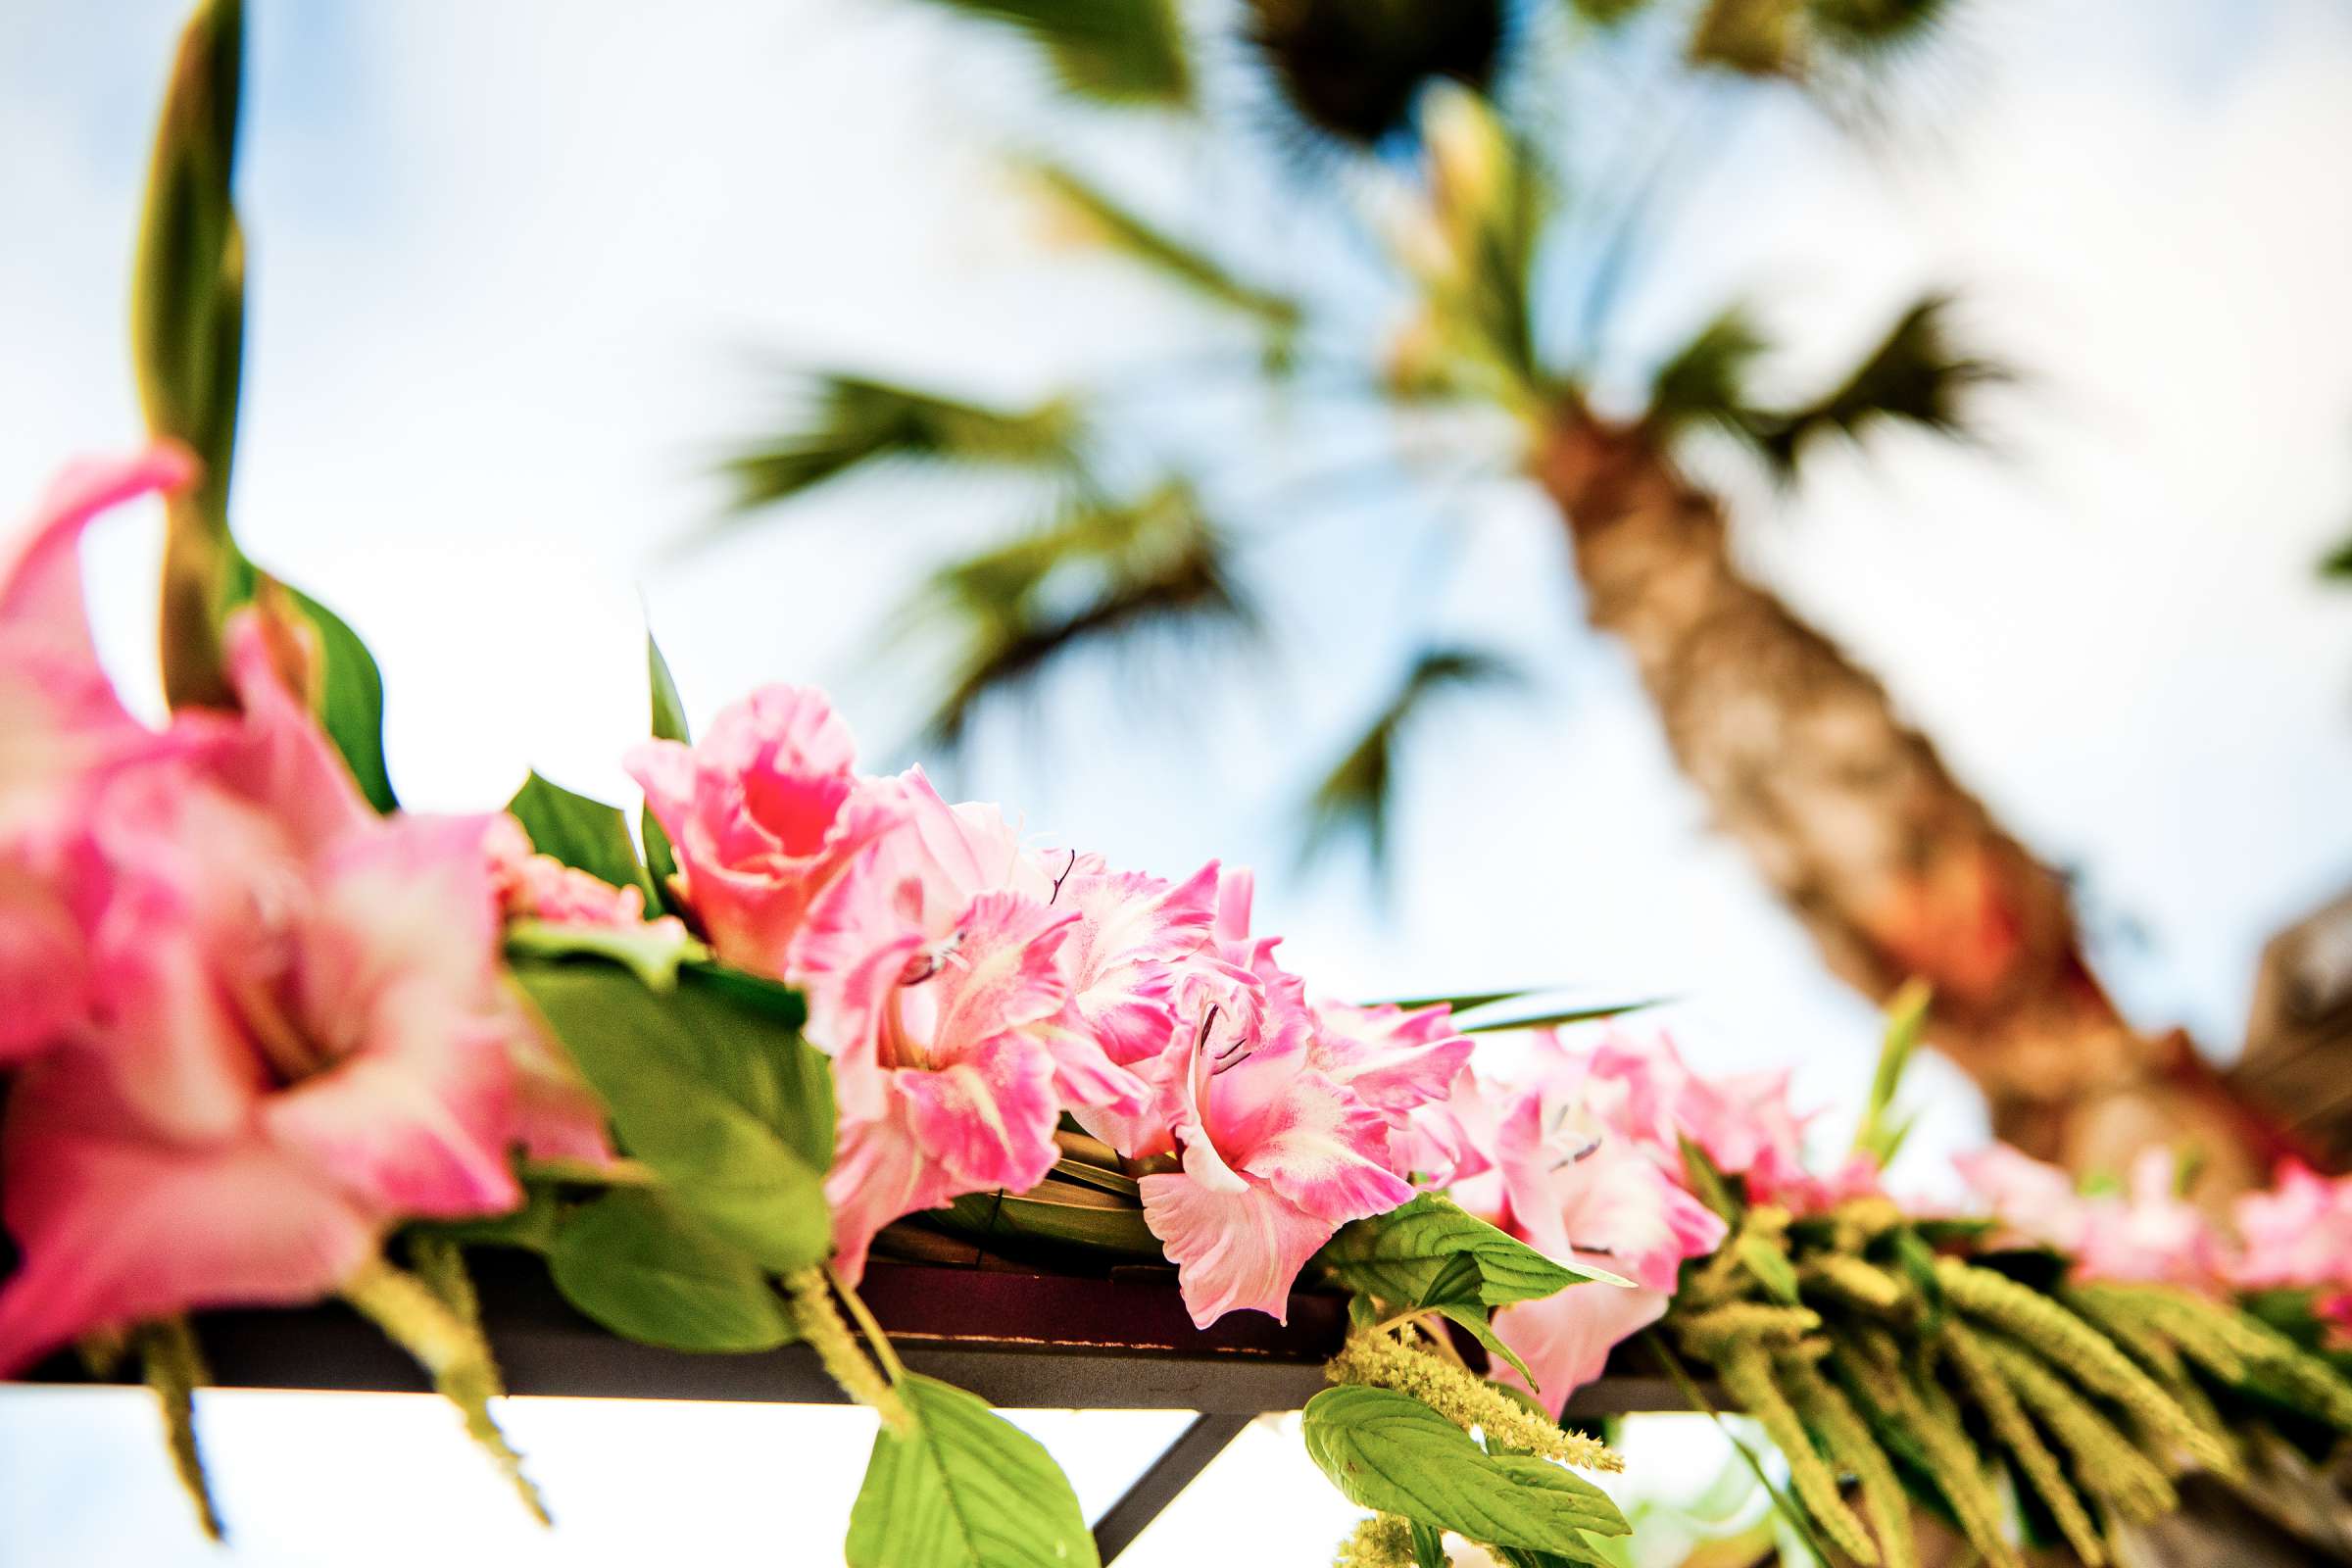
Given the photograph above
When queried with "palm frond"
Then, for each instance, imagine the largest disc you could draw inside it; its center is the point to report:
(1106, 575)
(1119, 51)
(1607, 13)
(1705, 379)
(1489, 201)
(1102, 219)
(1353, 69)
(2339, 563)
(1865, 27)
(1755, 37)
(851, 421)
(1353, 800)
(1918, 374)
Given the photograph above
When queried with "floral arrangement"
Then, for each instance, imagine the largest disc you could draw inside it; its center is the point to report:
(266, 1038)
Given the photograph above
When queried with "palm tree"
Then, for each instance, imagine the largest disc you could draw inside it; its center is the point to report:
(1438, 124)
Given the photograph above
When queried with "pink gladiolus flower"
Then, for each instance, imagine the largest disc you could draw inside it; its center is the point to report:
(763, 813)
(1576, 1189)
(1276, 1157)
(531, 886)
(297, 1032)
(2297, 1235)
(2144, 1233)
(936, 977)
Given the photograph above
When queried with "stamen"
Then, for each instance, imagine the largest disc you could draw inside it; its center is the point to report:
(1064, 877)
(1578, 1156)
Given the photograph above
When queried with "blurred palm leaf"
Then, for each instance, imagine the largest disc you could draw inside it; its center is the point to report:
(1918, 374)
(1755, 37)
(1353, 800)
(1107, 575)
(1488, 202)
(1353, 69)
(1870, 27)
(2340, 563)
(852, 421)
(1705, 380)
(1124, 52)
(1606, 11)
(1101, 220)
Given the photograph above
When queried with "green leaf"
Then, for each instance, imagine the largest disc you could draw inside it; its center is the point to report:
(669, 709)
(1391, 1453)
(1704, 382)
(1906, 1018)
(728, 1105)
(187, 304)
(1427, 1253)
(1770, 1265)
(668, 724)
(652, 952)
(1709, 1184)
(1429, 1546)
(2339, 562)
(637, 1264)
(966, 1489)
(582, 833)
(1118, 52)
(1478, 1319)
(1559, 1017)
(350, 702)
(1918, 1262)
(1095, 1227)
(1918, 374)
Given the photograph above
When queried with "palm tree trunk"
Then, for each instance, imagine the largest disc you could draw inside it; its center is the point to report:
(1890, 863)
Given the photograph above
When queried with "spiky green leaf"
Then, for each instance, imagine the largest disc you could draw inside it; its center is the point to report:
(1118, 52)
(1918, 374)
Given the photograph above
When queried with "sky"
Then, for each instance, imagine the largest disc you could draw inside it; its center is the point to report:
(519, 272)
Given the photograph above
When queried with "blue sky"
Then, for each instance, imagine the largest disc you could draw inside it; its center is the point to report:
(515, 268)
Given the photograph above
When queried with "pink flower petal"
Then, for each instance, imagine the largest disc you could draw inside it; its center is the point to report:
(1232, 1250)
(1565, 1339)
(117, 1229)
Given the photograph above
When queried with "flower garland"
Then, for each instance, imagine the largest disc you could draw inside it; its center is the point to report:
(235, 989)
(266, 1039)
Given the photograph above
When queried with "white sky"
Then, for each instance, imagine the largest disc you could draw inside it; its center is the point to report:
(511, 269)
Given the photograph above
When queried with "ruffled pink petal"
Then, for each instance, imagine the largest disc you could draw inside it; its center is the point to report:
(1233, 1250)
(1085, 1078)
(1131, 930)
(44, 966)
(879, 1173)
(280, 760)
(1002, 973)
(1312, 1142)
(988, 1118)
(115, 1229)
(1565, 1339)
(1391, 1059)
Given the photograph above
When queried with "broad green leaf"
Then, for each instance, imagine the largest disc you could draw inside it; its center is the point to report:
(582, 833)
(729, 1105)
(1428, 1253)
(668, 724)
(966, 1489)
(350, 700)
(637, 1264)
(653, 952)
(1391, 1453)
